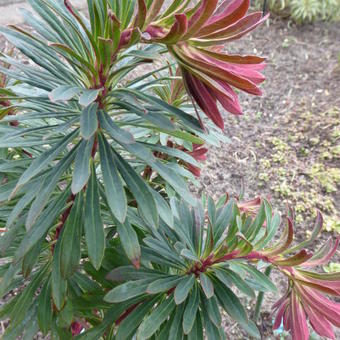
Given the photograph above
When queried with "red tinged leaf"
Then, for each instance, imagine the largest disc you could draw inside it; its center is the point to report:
(227, 74)
(247, 71)
(329, 309)
(234, 59)
(200, 17)
(280, 313)
(326, 258)
(279, 247)
(287, 319)
(279, 302)
(295, 260)
(178, 29)
(299, 325)
(141, 14)
(234, 32)
(320, 323)
(231, 14)
(203, 98)
(222, 7)
(153, 11)
(321, 283)
(154, 32)
(232, 106)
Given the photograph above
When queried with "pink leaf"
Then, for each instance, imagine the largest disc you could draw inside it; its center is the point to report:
(299, 322)
(234, 12)
(319, 323)
(203, 13)
(178, 29)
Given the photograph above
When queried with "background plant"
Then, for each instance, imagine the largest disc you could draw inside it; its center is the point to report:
(96, 160)
(304, 10)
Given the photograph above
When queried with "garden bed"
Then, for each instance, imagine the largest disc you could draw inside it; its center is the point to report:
(287, 144)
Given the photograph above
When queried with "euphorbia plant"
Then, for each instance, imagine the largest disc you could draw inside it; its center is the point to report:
(100, 134)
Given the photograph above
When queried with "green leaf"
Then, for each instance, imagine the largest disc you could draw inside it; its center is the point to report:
(129, 240)
(8, 277)
(183, 288)
(187, 253)
(197, 329)
(127, 291)
(230, 302)
(126, 273)
(21, 205)
(251, 329)
(26, 296)
(163, 208)
(152, 323)
(114, 130)
(89, 121)
(207, 285)
(176, 331)
(30, 259)
(163, 284)
(88, 97)
(64, 93)
(44, 222)
(94, 228)
(65, 316)
(81, 172)
(129, 325)
(70, 239)
(145, 201)
(212, 308)
(114, 190)
(212, 332)
(45, 312)
(227, 276)
(188, 120)
(191, 309)
(44, 160)
(48, 186)
(260, 278)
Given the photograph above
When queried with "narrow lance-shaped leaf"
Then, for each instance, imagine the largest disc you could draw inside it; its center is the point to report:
(45, 312)
(44, 160)
(130, 243)
(58, 283)
(146, 203)
(94, 228)
(207, 285)
(89, 121)
(114, 190)
(130, 324)
(47, 188)
(88, 97)
(127, 291)
(230, 303)
(191, 310)
(70, 238)
(183, 289)
(81, 172)
(113, 129)
(64, 93)
(152, 323)
(44, 222)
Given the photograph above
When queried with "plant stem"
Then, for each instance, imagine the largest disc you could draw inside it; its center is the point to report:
(260, 297)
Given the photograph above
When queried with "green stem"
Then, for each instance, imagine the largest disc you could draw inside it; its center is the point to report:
(260, 297)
